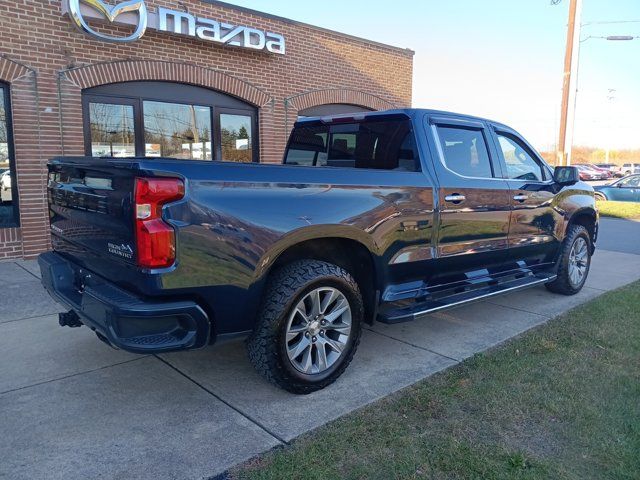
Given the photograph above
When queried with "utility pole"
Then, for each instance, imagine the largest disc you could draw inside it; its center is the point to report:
(569, 84)
(611, 96)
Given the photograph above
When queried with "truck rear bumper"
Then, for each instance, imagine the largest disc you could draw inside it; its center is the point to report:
(121, 318)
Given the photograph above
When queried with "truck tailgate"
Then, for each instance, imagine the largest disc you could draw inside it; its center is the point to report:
(91, 210)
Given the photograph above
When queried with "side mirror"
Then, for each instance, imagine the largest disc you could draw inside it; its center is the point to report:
(566, 175)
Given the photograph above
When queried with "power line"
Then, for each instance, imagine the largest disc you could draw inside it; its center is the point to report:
(608, 22)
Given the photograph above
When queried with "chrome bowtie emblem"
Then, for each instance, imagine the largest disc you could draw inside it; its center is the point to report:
(110, 13)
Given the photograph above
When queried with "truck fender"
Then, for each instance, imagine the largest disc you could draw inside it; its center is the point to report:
(312, 232)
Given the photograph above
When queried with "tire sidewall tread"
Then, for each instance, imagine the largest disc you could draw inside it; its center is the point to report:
(562, 283)
(284, 288)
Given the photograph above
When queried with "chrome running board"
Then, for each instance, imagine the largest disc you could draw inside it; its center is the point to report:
(396, 314)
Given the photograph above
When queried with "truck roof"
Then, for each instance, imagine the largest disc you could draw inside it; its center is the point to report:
(409, 112)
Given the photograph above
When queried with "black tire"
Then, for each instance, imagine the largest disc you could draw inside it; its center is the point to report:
(267, 346)
(563, 284)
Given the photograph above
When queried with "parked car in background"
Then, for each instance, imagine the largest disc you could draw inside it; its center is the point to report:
(615, 170)
(604, 171)
(626, 189)
(587, 172)
(629, 168)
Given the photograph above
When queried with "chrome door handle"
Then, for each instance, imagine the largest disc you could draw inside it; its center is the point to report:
(520, 198)
(455, 198)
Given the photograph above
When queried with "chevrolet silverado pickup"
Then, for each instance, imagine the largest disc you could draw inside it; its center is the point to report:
(381, 216)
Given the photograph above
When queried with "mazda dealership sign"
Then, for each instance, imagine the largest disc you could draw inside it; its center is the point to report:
(135, 13)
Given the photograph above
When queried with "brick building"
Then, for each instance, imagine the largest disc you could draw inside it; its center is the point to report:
(204, 80)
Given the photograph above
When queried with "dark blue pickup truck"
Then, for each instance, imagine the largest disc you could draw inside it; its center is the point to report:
(383, 216)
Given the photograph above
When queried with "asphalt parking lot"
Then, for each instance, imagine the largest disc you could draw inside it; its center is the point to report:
(71, 407)
(619, 235)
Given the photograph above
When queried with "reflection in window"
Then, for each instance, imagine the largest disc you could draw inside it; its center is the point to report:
(630, 182)
(8, 208)
(520, 165)
(308, 146)
(112, 131)
(177, 130)
(465, 151)
(382, 144)
(236, 137)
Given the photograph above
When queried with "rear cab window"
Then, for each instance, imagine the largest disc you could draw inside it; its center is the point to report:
(381, 143)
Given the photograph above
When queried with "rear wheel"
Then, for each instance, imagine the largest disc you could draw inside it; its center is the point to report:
(574, 262)
(309, 326)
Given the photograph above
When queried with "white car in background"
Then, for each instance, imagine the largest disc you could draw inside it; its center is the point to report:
(5, 186)
(631, 168)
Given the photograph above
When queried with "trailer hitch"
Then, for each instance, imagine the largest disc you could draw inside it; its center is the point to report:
(69, 319)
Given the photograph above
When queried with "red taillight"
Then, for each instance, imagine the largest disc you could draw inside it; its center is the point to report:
(155, 239)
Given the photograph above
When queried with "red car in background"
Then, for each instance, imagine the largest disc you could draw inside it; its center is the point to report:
(616, 170)
(591, 172)
(605, 171)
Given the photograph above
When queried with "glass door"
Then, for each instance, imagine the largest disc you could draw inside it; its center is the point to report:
(237, 138)
(111, 128)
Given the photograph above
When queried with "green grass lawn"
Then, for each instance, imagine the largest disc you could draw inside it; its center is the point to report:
(619, 209)
(559, 402)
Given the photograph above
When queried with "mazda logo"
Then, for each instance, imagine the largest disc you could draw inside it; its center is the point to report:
(110, 13)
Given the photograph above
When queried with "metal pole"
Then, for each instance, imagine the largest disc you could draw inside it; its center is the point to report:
(569, 83)
(610, 98)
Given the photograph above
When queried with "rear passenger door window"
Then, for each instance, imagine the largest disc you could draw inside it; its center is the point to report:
(465, 152)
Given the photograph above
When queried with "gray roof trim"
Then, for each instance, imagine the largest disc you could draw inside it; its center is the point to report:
(296, 22)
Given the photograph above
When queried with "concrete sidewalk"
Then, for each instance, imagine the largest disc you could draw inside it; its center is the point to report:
(71, 407)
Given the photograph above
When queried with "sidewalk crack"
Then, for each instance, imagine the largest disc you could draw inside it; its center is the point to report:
(218, 397)
(44, 382)
(28, 271)
(457, 360)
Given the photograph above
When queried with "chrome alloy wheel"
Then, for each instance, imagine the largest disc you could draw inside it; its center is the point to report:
(318, 330)
(578, 261)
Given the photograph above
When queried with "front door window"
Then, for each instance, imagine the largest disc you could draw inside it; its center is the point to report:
(520, 164)
(177, 131)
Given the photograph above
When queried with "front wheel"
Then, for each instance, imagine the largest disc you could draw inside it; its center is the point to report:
(600, 197)
(574, 262)
(309, 326)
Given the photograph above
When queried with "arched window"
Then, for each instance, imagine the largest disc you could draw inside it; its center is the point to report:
(164, 119)
(8, 187)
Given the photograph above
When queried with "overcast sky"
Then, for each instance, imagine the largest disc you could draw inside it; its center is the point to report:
(502, 59)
